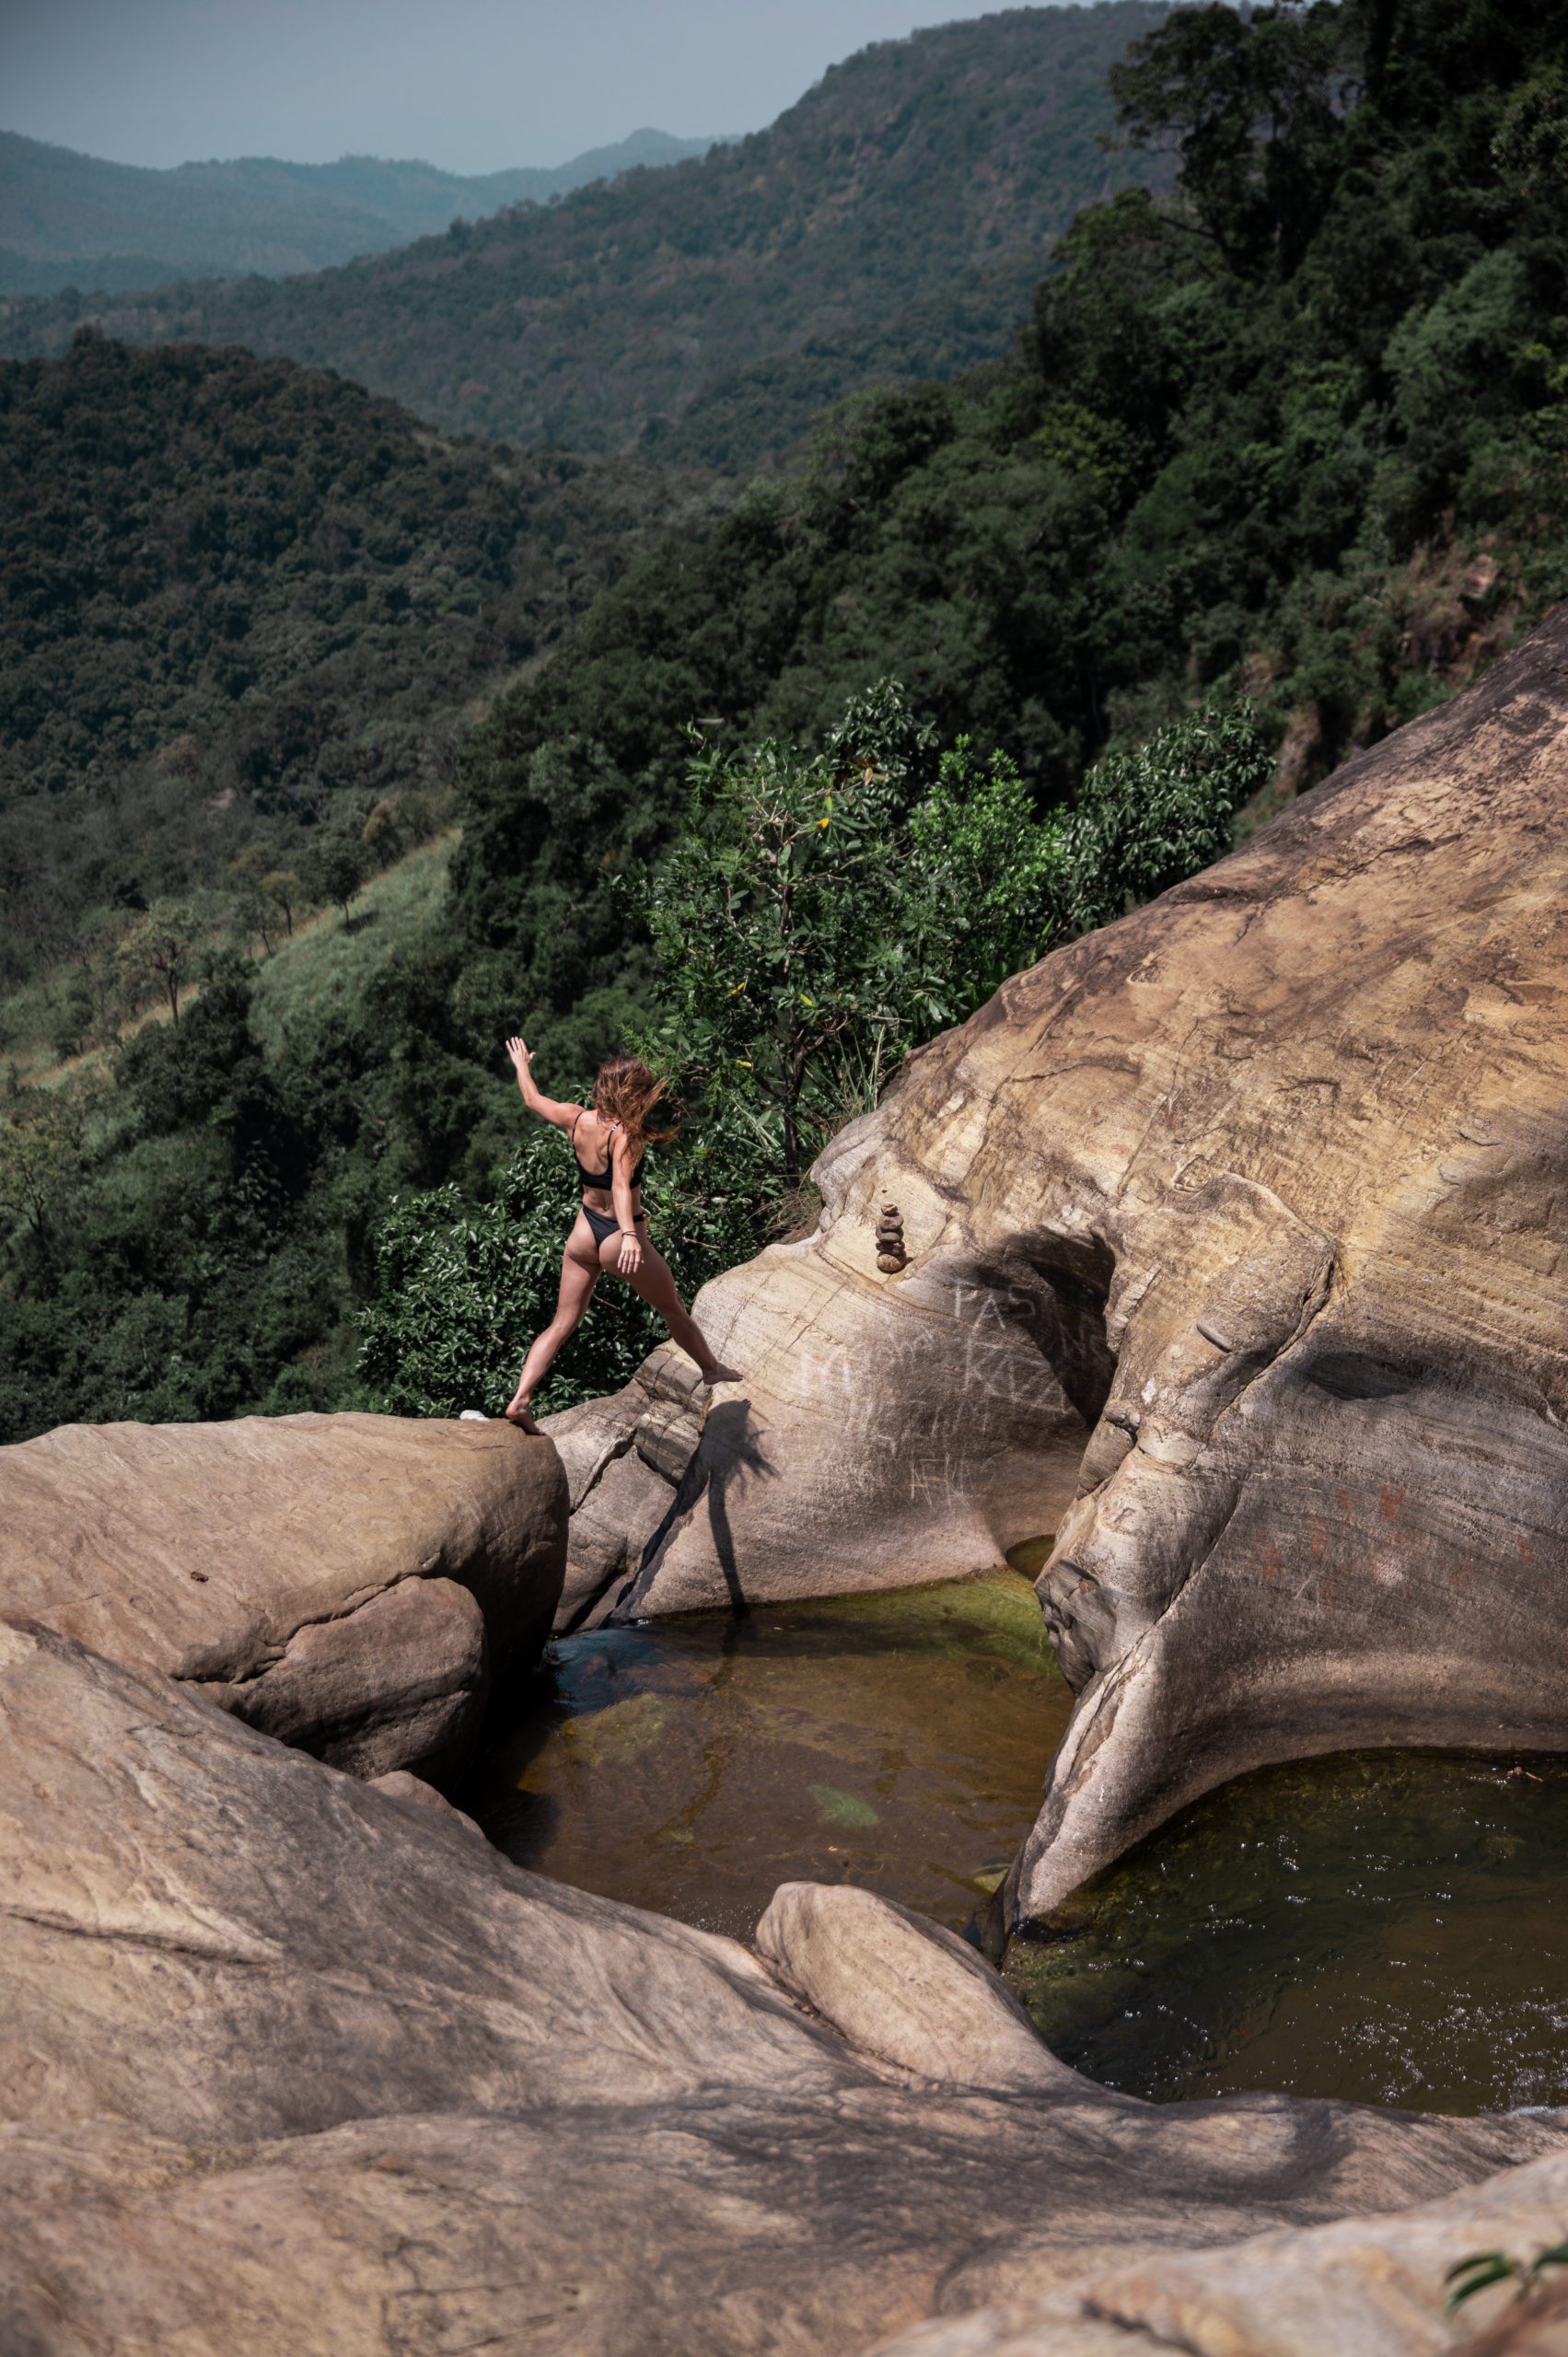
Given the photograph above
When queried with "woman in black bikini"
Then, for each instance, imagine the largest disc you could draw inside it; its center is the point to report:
(610, 1233)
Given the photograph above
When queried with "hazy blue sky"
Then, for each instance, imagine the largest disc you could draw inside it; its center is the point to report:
(472, 84)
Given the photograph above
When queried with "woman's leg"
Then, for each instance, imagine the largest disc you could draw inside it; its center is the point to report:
(655, 1284)
(579, 1274)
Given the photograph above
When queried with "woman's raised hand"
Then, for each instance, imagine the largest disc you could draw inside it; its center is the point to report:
(519, 1053)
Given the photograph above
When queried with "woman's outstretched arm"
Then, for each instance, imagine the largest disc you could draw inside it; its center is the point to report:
(547, 1108)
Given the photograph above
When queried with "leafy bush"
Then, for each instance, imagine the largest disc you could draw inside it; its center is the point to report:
(1151, 816)
(818, 915)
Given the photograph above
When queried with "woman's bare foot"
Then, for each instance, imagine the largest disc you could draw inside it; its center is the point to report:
(518, 1412)
(717, 1374)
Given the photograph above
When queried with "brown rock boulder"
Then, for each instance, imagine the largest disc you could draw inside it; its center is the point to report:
(347, 1583)
(1257, 1193)
(626, 1457)
(296, 2064)
(1365, 2287)
(903, 1988)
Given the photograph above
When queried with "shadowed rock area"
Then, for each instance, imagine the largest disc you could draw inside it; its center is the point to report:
(1236, 1263)
(299, 2065)
(347, 1583)
(626, 1457)
(1367, 2287)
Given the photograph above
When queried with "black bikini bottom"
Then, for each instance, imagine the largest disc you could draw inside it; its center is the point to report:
(604, 1223)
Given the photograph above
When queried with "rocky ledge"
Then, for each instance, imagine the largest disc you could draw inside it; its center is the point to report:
(1235, 1261)
(350, 1583)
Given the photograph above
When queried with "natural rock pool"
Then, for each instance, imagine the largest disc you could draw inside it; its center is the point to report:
(692, 1765)
(1390, 1927)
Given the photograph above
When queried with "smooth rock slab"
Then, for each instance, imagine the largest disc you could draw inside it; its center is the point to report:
(626, 1457)
(904, 1989)
(294, 2065)
(347, 1583)
(1366, 2287)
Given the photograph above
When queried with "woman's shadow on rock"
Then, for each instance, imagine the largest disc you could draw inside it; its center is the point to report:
(729, 1454)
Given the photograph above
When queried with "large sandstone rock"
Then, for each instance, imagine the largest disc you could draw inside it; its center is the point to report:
(1259, 1194)
(626, 1459)
(903, 1988)
(1366, 2287)
(350, 1583)
(296, 2064)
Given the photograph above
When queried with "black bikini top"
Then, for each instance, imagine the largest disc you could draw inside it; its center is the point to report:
(600, 1178)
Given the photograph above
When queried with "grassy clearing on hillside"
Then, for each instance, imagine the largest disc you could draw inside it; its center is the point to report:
(325, 963)
(329, 964)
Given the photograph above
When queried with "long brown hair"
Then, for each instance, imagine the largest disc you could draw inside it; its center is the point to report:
(626, 1091)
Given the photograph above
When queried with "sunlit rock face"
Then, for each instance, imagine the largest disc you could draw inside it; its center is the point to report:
(1365, 2287)
(349, 1584)
(1235, 1261)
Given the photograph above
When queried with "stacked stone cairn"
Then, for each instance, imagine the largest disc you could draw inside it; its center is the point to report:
(890, 1254)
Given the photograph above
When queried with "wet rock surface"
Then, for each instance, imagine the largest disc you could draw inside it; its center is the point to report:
(297, 2063)
(349, 1584)
(1235, 1261)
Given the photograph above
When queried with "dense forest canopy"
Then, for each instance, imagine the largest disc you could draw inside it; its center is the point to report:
(236, 595)
(1290, 447)
(1300, 430)
(892, 224)
(68, 220)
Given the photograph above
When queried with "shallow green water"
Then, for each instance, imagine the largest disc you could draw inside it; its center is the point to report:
(900, 1741)
(1391, 1928)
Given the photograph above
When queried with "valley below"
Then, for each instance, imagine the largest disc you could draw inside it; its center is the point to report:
(1006, 634)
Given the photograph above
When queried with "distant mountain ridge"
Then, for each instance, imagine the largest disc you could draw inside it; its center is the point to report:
(73, 220)
(890, 225)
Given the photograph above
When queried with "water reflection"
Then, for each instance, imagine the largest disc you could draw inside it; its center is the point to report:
(1388, 1927)
(899, 1740)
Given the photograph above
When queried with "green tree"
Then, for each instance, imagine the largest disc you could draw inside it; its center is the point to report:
(820, 915)
(160, 951)
(820, 912)
(385, 833)
(255, 914)
(282, 888)
(1248, 101)
(40, 1153)
(770, 922)
(336, 864)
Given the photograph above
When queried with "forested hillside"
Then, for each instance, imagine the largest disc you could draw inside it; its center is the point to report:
(68, 220)
(1291, 448)
(892, 225)
(1301, 432)
(238, 597)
